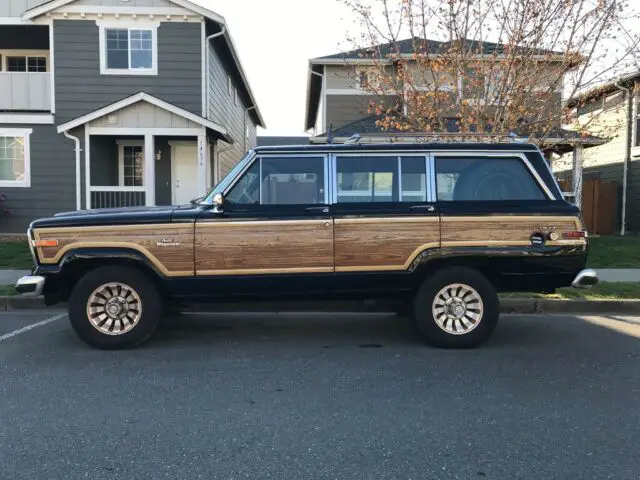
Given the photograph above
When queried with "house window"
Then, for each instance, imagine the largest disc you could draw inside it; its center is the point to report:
(131, 164)
(15, 158)
(26, 64)
(128, 51)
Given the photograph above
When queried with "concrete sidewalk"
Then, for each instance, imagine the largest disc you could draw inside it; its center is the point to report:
(618, 274)
(9, 277)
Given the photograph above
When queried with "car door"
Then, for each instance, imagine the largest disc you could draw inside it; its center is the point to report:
(385, 211)
(275, 221)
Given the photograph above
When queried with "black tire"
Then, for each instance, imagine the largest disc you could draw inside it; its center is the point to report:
(479, 330)
(150, 310)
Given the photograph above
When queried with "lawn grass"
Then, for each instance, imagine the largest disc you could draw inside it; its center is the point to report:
(15, 254)
(7, 290)
(602, 291)
(614, 252)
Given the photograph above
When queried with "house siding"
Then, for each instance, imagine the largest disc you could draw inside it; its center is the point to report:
(80, 88)
(15, 8)
(224, 109)
(344, 109)
(130, 3)
(53, 180)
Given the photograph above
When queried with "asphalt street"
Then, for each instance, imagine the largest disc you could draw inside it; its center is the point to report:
(321, 396)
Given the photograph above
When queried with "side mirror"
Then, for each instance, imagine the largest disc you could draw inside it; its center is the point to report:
(218, 202)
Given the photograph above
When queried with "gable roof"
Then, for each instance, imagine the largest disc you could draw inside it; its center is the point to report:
(145, 97)
(189, 5)
(606, 88)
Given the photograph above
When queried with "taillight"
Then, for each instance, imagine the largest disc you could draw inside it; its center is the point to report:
(574, 234)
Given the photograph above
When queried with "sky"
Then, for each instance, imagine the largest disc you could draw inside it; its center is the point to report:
(275, 40)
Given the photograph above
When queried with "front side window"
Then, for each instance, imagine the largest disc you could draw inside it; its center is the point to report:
(128, 51)
(485, 179)
(14, 158)
(131, 165)
(281, 181)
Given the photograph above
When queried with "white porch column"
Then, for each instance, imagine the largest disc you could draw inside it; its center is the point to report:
(577, 175)
(87, 167)
(149, 170)
(203, 156)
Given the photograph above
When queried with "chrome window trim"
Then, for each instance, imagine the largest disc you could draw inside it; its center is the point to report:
(432, 194)
(494, 154)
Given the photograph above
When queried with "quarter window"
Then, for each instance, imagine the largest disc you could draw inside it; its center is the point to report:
(14, 158)
(485, 179)
(26, 64)
(128, 51)
(281, 181)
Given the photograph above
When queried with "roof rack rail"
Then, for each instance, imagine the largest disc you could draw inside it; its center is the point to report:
(435, 137)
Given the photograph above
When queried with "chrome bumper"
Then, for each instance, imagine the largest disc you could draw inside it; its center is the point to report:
(31, 285)
(585, 279)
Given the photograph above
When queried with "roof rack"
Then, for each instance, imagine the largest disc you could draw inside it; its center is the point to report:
(435, 137)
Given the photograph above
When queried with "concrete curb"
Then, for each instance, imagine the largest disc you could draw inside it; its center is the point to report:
(507, 305)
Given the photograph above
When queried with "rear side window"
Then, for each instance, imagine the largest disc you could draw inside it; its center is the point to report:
(485, 179)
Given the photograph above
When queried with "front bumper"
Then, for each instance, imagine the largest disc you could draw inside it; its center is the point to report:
(31, 285)
(585, 279)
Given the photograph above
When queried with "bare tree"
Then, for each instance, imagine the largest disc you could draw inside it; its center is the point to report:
(490, 66)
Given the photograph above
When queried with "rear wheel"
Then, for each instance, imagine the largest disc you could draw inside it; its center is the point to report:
(456, 307)
(114, 307)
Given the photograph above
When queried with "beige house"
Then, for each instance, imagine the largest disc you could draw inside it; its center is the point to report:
(612, 112)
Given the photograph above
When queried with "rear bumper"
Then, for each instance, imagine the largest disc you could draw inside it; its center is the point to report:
(31, 284)
(585, 279)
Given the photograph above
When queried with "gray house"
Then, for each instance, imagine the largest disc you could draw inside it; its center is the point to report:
(109, 103)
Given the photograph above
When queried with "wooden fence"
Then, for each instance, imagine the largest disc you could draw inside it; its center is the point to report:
(599, 205)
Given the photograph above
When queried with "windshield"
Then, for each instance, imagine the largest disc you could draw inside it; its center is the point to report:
(226, 181)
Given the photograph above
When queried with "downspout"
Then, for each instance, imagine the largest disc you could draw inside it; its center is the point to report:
(78, 176)
(627, 156)
(208, 40)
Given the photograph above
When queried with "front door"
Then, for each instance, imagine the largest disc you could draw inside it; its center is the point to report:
(276, 224)
(184, 172)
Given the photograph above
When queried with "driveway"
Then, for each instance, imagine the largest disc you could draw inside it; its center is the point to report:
(302, 396)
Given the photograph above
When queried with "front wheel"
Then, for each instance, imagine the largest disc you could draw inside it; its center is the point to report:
(114, 308)
(456, 307)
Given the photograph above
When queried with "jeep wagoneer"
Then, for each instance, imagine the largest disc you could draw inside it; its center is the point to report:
(438, 228)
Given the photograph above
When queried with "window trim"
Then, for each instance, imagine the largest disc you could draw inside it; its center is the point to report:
(25, 133)
(104, 26)
(127, 143)
(5, 53)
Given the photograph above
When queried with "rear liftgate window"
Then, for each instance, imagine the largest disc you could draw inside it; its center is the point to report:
(485, 179)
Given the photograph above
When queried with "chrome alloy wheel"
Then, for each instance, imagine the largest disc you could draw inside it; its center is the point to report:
(114, 308)
(457, 309)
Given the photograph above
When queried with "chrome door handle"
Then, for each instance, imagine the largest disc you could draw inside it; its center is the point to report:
(428, 208)
(317, 209)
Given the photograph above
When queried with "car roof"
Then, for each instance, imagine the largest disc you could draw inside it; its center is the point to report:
(366, 147)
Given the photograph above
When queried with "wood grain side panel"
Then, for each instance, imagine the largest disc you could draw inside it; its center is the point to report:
(226, 248)
(383, 244)
(506, 230)
(174, 259)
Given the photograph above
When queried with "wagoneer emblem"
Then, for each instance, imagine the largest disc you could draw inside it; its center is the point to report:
(168, 243)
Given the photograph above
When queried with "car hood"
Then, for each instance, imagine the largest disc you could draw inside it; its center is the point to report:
(114, 216)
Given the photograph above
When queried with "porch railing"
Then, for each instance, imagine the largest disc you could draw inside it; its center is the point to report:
(117, 197)
(25, 91)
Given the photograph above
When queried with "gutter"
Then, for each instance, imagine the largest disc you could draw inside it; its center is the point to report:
(78, 176)
(627, 155)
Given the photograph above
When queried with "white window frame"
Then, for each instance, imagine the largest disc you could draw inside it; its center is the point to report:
(121, 145)
(25, 133)
(153, 27)
(4, 54)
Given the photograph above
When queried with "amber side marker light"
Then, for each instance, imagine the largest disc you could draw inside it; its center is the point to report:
(574, 234)
(45, 243)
